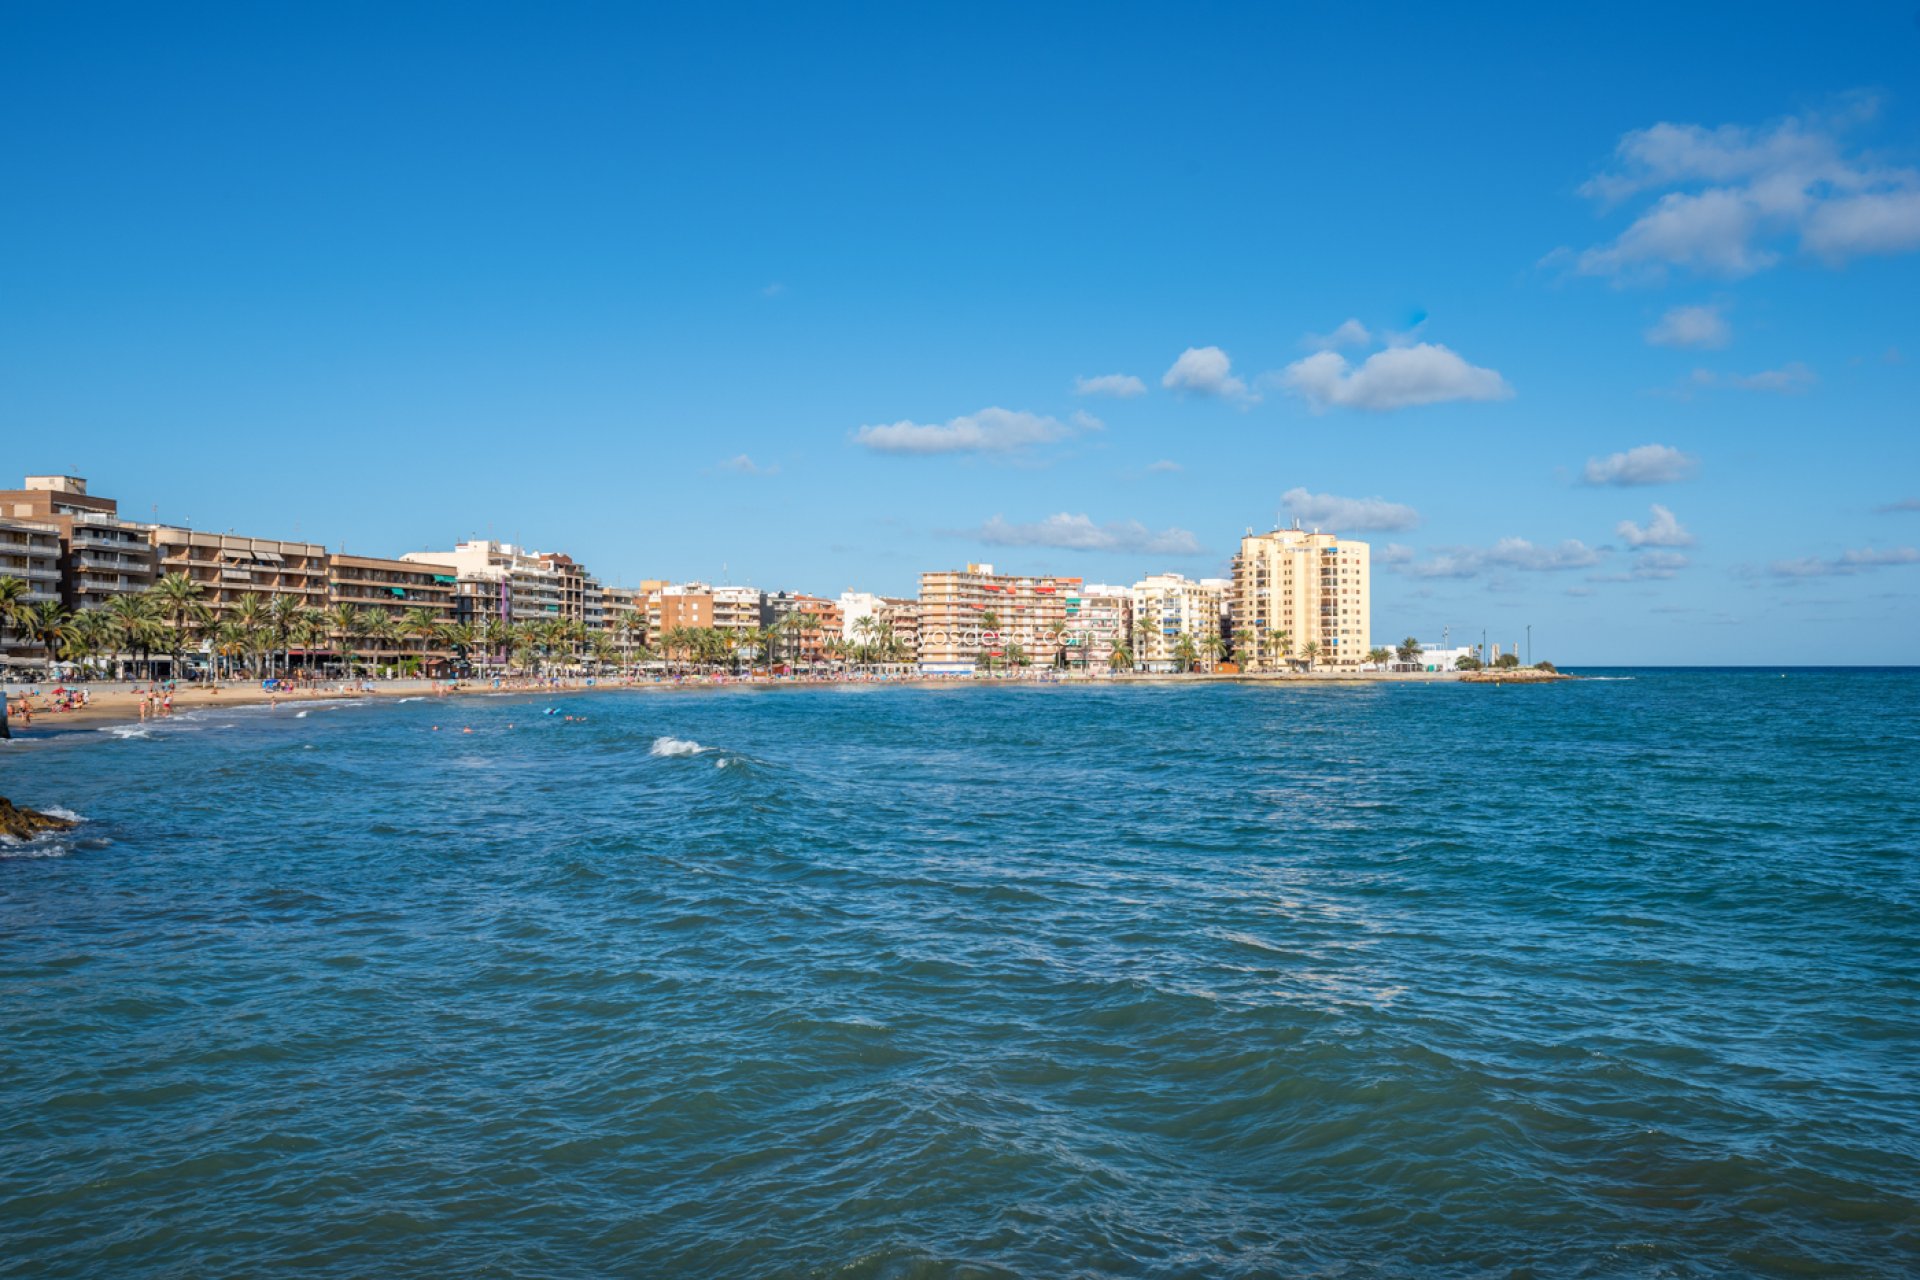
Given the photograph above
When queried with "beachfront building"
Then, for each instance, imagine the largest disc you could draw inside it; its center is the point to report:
(101, 555)
(802, 642)
(1293, 588)
(408, 600)
(1100, 617)
(1169, 608)
(974, 616)
(855, 605)
(497, 582)
(1432, 657)
(228, 567)
(899, 619)
(29, 552)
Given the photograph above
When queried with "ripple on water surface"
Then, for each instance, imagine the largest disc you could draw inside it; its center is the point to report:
(1612, 978)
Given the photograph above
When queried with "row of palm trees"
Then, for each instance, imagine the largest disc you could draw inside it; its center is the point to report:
(268, 635)
(795, 639)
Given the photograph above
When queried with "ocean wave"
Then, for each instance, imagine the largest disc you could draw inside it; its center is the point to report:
(398, 702)
(299, 715)
(669, 746)
(126, 730)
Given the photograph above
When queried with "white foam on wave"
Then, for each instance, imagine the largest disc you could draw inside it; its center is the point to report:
(48, 844)
(127, 731)
(667, 746)
(299, 715)
(403, 701)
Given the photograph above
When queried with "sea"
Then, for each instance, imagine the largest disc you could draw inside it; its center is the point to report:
(1613, 977)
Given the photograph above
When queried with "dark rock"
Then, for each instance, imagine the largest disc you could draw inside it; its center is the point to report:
(25, 824)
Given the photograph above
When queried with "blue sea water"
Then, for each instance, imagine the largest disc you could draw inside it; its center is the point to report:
(1611, 978)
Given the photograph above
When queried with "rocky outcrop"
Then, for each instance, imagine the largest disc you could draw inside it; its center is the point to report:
(25, 824)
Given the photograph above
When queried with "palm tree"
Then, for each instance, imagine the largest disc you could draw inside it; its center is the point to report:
(422, 625)
(1017, 656)
(349, 625)
(13, 602)
(46, 625)
(85, 639)
(1310, 651)
(179, 600)
(1216, 649)
(1282, 645)
(1379, 657)
(132, 625)
(605, 650)
(1057, 631)
(1121, 657)
(1185, 652)
(458, 636)
(307, 629)
(248, 620)
(989, 625)
(1410, 650)
(283, 612)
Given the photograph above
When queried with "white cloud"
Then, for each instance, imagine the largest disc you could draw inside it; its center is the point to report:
(1351, 333)
(1643, 464)
(1735, 199)
(1205, 371)
(991, 430)
(746, 466)
(1663, 530)
(1166, 466)
(1844, 564)
(1397, 378)
(1357, 514)
(1898, 505)
(1698, 327)
(1121, 386)
(1508, 553)
(1080, 533)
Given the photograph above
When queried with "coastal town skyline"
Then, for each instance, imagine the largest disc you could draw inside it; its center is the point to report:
(1653, 399)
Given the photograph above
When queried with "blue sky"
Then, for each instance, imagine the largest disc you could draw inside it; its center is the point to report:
(805, 299)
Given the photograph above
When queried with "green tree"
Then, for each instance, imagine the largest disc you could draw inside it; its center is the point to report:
(1310, 651)
(348, 624)
(1409, 650)
(13, 603)
(1185, 652)
(178, 599)
(46, 625)
(1120, 658)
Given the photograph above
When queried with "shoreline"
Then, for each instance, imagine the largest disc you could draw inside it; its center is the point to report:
(119, 703)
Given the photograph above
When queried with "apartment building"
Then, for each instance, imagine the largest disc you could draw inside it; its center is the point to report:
(807, 647)
(101, 555)
(499, 582)
(228, 566)
(29, 551)
(1098, 618)
(397, 590)
(970, 616)
(899, 618)
(1169, 606)
(1292, 588)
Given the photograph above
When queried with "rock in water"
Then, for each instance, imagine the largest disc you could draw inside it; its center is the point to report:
(25, 824)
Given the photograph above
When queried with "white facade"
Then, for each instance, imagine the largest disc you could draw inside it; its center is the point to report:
(529, 591)
(1167, 606)
(855, 605)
